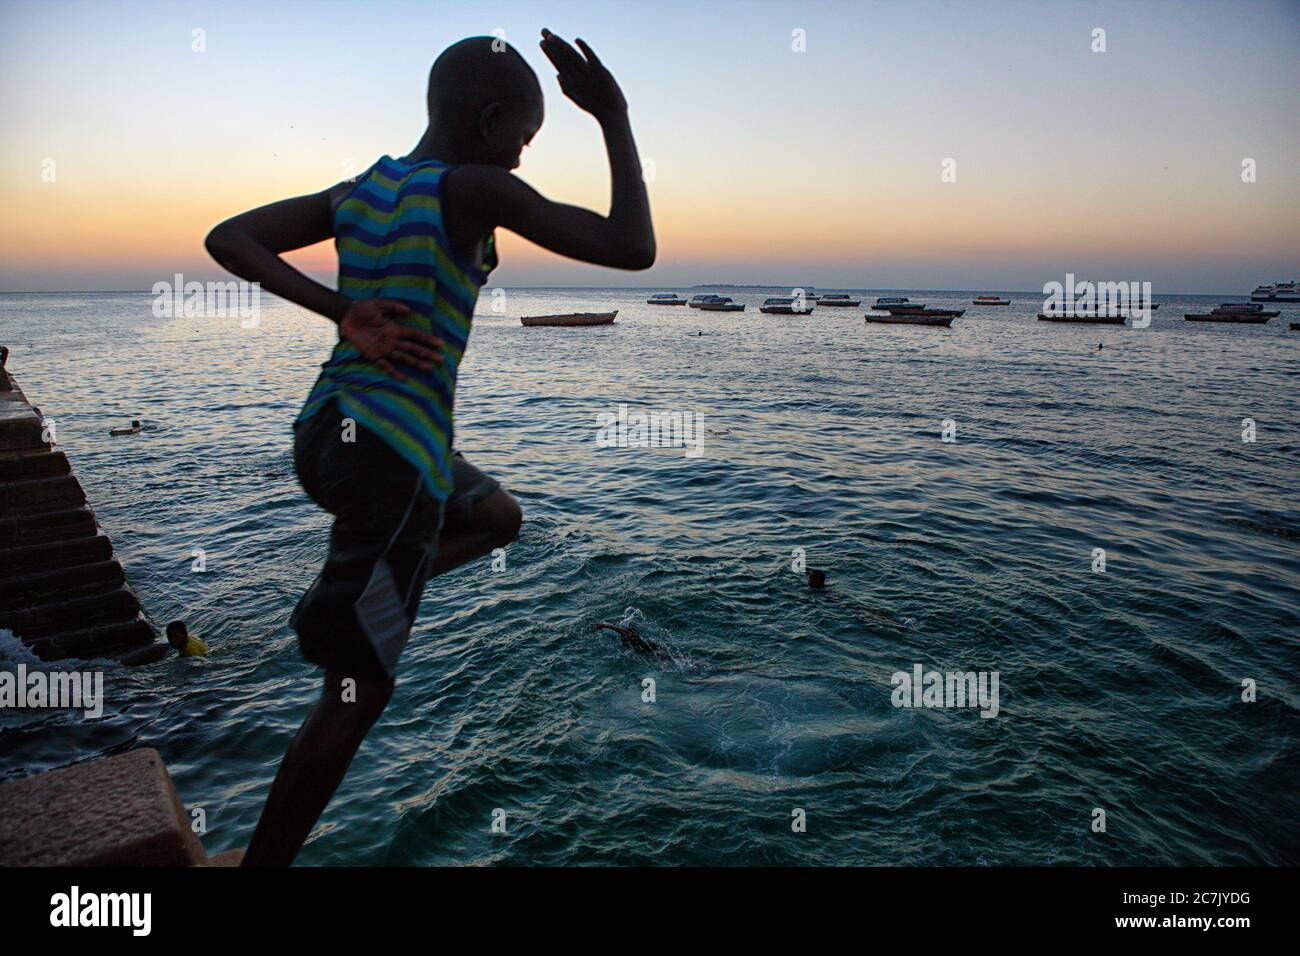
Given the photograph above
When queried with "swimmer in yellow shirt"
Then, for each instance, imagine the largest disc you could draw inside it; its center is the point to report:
(186, 644)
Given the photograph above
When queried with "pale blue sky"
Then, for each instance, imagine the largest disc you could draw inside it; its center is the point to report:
(770, 165)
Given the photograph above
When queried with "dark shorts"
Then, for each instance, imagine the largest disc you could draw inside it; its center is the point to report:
(356, 617)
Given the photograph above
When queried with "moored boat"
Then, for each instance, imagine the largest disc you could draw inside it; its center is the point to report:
(721, 303)
(1241, 312)
(665, 298)
(989, 300)
(894, 303)
(838, 300)
(698, 300)
(1277, 292)
(1079, 318)
(570, 319)
(787, 305)
(912, 318)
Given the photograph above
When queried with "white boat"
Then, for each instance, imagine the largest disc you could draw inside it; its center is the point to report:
(838, 300)
(1277, 292)
(665, 298)
(698, 300)
(787, 305)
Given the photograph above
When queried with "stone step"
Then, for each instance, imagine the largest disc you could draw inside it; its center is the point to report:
(37, 463)
(119, 604)
(17, 531)
(54, 554)
(60, 493)
(112, 811)
(116, 640)
(59, 585)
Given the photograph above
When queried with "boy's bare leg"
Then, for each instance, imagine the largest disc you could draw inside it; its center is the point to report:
(319, 756)
(495, 523)
(314, 766)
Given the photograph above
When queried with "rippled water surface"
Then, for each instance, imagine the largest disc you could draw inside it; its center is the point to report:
(1118, 690)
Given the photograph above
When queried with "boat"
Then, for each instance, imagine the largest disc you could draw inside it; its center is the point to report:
(787, 305)
(893, 303)
(1080, 318)
(934, 313)
(1241, 312)
(838, 300)
(665, 298)
(912, 318)
(698, 300)
(989, 300)
(570, 319)
(722, 303)
(1277, 292)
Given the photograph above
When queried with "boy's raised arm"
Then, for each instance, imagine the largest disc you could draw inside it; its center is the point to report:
(490, 196)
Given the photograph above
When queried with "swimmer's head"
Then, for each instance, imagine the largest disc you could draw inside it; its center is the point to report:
(816, 579)
(177, 635)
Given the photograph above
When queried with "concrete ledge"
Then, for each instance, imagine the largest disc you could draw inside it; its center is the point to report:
(115, 811)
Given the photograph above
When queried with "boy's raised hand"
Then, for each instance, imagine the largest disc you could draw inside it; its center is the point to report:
(585, 81)
(371, 326)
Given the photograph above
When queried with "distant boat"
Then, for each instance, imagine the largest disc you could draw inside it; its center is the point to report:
(989, 300)
(893, 303)
(722, 303)
(838, 300)
(935, 313)
(787, 305)
(665, 298)
(698, 300)
(570, 319)
(913, 318)
(1277, 292)
(1241, 312)
(1081, 319)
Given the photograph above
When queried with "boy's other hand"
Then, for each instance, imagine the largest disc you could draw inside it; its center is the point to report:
(585, 81)
(371, 325)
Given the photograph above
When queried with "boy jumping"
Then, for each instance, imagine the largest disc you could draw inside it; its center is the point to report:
(373, 443)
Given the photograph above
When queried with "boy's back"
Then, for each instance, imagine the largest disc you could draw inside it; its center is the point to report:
(392, 244)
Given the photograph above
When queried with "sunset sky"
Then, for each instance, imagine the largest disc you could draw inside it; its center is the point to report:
(769, 165)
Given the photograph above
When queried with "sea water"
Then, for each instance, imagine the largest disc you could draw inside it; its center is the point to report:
(1113, 530)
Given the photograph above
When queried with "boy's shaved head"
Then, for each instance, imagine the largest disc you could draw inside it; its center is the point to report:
(474, 73)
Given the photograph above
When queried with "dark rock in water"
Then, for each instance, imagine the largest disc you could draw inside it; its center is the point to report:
(816, 579)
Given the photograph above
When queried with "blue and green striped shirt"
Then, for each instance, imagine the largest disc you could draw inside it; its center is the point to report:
(392, 245)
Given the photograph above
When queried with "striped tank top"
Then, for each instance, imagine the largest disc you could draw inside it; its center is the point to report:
(392, 245)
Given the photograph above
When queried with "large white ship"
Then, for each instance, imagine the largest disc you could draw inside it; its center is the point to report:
(1277, 292)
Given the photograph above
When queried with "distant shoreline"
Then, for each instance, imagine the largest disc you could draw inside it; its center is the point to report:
(661, 288)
